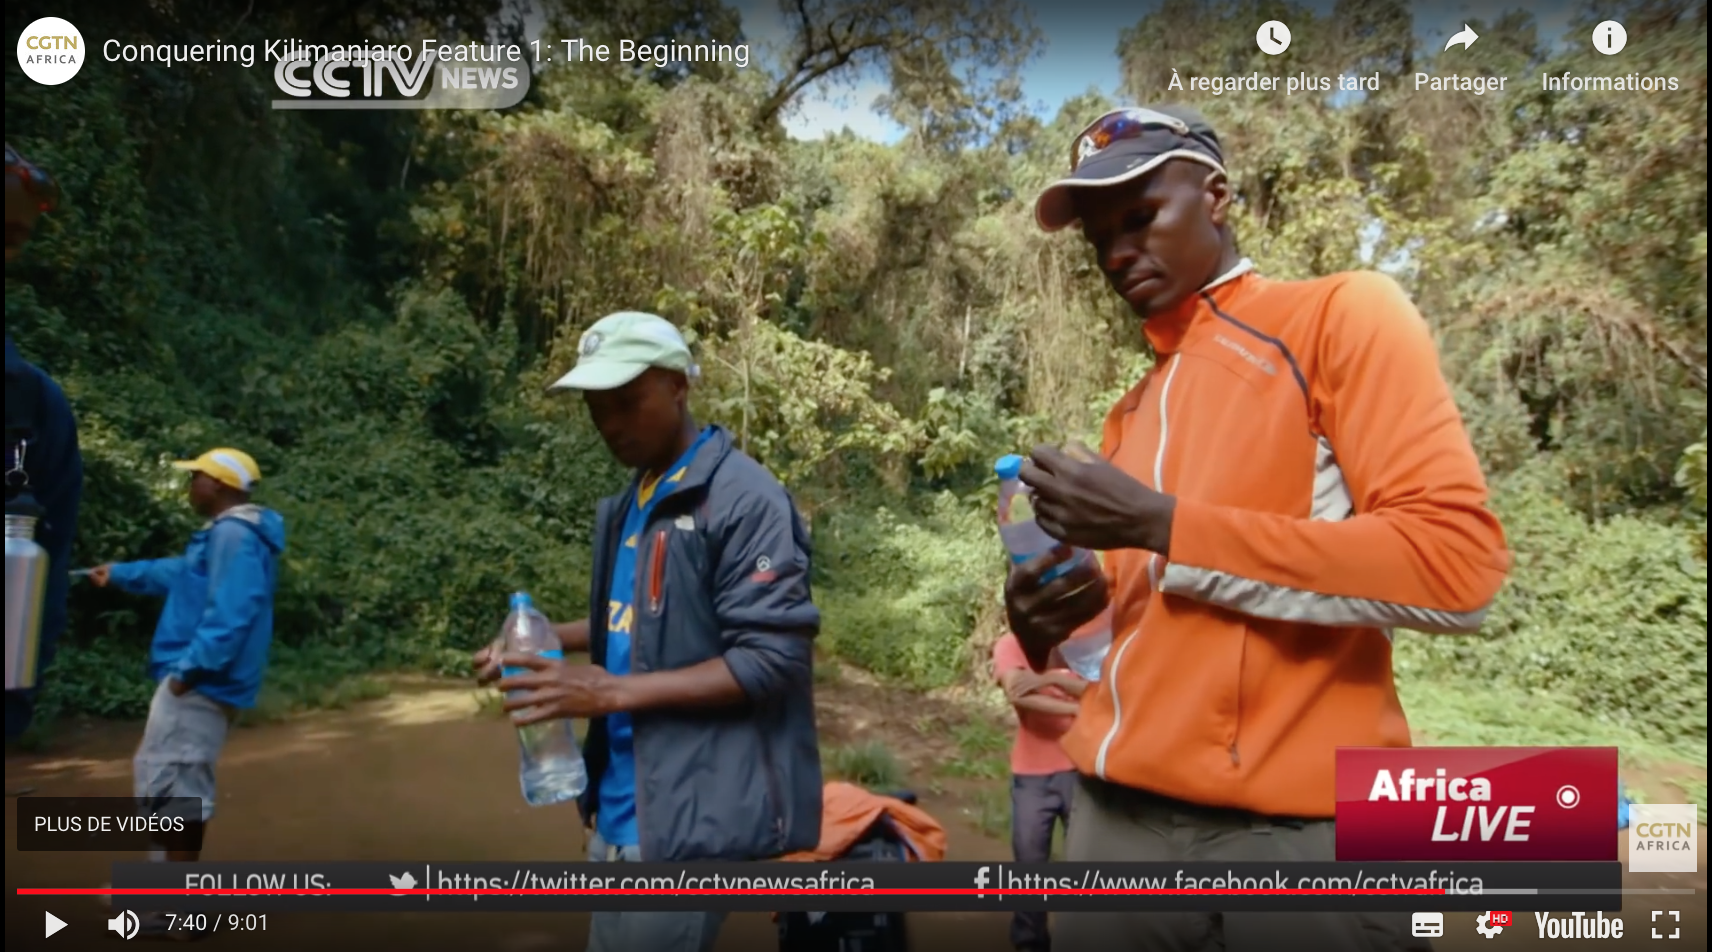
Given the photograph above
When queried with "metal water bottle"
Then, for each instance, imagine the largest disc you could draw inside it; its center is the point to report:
(26, 579)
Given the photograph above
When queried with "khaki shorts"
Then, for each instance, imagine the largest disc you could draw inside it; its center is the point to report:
(180, 746)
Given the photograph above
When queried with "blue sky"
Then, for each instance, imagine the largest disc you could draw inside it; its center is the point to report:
(1081, 52)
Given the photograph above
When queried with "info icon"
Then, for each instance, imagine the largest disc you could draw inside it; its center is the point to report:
(1426, 925)
(1610, 37)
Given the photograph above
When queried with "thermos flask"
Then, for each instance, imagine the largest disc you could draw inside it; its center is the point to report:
(26, 580)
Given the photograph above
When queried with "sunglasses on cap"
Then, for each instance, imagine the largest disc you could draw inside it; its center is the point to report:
(38, 183)
(1118, 125)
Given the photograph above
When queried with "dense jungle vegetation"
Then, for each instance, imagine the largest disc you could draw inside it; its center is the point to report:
(370, 303)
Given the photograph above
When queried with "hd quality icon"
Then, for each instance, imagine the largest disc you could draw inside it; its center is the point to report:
(1489, 924)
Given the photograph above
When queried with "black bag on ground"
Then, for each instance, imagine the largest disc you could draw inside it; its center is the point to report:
(854, 931)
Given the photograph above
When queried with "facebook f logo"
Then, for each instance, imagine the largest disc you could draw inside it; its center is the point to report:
(981, 881)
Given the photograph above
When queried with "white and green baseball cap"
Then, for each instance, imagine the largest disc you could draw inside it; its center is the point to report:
(619, 347)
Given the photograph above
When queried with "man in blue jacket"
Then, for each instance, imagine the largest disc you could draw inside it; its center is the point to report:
(43, 460)
(700, 700)
(211, 645)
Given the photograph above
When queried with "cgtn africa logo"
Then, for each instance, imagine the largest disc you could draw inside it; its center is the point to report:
(1664, 838)
(435, 75)
(50, 50)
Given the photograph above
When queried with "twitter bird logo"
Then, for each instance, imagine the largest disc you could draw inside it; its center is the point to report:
(406, 881)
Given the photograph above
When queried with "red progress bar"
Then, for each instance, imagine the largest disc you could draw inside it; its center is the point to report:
(729, 892)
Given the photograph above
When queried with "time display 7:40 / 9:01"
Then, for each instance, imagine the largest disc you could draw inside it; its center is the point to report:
(203, 922)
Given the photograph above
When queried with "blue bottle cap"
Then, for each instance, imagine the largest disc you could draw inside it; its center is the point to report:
(1008, 466)
(520, 600)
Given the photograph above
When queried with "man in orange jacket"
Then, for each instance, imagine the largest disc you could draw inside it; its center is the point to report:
(1289, 484)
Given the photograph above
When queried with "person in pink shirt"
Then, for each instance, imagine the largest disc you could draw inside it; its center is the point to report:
(1042, 777)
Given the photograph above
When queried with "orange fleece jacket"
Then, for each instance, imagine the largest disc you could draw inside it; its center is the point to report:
(1326, 493)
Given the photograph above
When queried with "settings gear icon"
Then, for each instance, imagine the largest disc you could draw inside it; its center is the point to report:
(1484, 929)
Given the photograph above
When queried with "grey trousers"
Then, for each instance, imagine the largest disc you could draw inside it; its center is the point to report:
(647, 931)
(1119, 824)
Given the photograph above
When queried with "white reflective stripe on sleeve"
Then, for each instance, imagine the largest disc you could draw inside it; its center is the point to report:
(1264, 600)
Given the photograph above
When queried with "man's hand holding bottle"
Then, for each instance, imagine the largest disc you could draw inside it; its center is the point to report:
(1044, 615)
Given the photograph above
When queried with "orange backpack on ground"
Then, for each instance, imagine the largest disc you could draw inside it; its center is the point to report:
(849, 812)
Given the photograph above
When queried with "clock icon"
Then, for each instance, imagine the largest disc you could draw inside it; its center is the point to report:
(1273, 37)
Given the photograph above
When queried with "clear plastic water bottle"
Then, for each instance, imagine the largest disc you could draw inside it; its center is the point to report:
(1084, 652)
(551, 769)
(1017, 528)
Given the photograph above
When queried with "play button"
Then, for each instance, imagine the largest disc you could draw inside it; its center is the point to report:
(55, 923)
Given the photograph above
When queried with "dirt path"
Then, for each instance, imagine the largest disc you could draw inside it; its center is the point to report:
(422, 774)
(428, 773)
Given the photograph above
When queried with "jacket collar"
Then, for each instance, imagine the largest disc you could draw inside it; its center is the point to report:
(247, 512)
(700, 470)
(1166, 330)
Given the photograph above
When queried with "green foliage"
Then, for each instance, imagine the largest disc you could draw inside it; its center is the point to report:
(371, 303)
(870, 764)
(1608, 619)
(1691, 473)
(906, 592)
(982, 751)
(394, 436)
(801, 406)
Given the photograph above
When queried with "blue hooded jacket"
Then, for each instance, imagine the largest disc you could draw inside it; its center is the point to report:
(217, 625)
(55, 467)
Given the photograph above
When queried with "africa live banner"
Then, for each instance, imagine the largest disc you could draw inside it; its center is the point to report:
(406, 886)
(1477, 804)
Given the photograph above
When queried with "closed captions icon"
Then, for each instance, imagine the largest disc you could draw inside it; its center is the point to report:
(1426, 925)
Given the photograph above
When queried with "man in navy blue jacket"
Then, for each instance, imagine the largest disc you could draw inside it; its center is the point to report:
(42, 454)
(701, 741)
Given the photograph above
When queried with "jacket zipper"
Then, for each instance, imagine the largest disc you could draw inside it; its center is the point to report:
(1159, 460)
(643, 854)
(656, 572)
(1152, 576)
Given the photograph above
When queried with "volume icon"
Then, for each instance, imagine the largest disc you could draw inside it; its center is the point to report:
(125, 924)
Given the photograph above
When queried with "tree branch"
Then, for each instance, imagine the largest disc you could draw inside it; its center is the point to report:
(818, 57)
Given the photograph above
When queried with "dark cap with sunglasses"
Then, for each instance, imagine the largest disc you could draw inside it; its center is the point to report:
(1122, 146)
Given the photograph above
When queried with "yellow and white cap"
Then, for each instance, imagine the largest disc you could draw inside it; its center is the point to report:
(232, 467)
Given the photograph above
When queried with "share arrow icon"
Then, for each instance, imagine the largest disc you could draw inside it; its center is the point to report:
(1465, 39)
